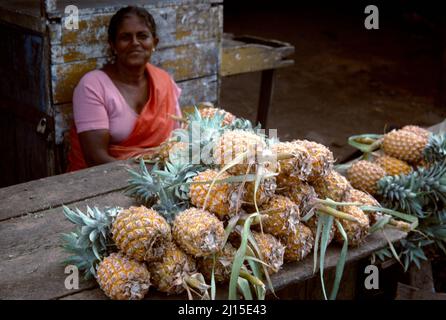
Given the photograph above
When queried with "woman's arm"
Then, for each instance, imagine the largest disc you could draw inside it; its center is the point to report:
(94, 144)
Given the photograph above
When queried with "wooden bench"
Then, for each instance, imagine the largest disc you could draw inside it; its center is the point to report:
(244, 54)
(31, 221)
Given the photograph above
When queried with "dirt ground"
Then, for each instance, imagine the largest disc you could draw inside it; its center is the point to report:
(346, 80)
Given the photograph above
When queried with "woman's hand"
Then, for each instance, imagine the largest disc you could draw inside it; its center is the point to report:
(94, 146)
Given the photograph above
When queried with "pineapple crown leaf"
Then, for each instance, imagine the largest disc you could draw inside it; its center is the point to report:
(423, 187)
(436, 148)
(144, 185)
(91, 240)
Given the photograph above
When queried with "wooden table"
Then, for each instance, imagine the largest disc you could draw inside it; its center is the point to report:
(31, 221)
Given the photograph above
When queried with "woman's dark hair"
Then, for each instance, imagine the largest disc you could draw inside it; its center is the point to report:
(122, 13)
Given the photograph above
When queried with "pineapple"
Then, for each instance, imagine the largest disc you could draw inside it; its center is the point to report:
(296, 168)
(174, 150)
(354, 195)
(198, 232)
(141, 233)
(298, 244)
(122, 278)
(332, 186)
(356, 231)
(364, 175)
(209, 112)
(321, 159)
(280, 216)
(265, 191)
(170, 274)
(404, 145)
(312, 224)
(421, 132)
(232, 144)
(223, 264)
(303, 195)
(393, 166)
(271, 250)
(223, 199)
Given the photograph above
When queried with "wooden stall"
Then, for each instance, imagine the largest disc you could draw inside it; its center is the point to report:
(32, 220)
(43, 59)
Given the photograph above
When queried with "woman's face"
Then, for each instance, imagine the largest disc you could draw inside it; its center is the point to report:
(134, 42)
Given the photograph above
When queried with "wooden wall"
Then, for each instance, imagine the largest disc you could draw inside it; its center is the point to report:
(190, 33)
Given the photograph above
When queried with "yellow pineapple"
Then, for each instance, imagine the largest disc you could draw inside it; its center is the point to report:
(266, 190)
(232, 144)
(333, 185)
(210, 112)
(393, 166)
(298, 244)
(198, 232)
(404, 145)
(418, 131)
(312, 224)
(223, 264)
(171, 273)
(223, 199)
(280, 216)
(364, 175)
(358, 196)
(321, 159)
(271, 250)
(122, 278)
(303, 195)
(356, 231)
(298, 167)
(141, 233)
(173, 148)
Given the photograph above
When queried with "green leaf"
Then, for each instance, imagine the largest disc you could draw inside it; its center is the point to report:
(341, 262)
(244, 287)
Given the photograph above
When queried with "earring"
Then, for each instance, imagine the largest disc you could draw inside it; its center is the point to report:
(153, 50)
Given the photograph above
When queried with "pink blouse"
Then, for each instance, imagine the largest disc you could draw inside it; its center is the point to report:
(98, 104)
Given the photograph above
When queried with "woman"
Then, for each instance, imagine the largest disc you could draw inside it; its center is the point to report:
(124, 108)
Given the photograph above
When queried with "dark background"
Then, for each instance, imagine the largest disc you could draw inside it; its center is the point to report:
(346, 79)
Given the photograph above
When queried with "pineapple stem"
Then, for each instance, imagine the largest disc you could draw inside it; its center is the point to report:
(367, 143)
(252, 279)
(337, 214)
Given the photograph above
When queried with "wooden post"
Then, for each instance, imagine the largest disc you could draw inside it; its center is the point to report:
(47, 6)
(442, 60)
(266, 94)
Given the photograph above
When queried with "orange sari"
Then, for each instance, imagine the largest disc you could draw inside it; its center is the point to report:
(153, 126)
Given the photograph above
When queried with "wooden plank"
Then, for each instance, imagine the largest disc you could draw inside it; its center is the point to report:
(30, 255)
(38, 195)
(175, 26)
(249, 54)
(111, 6)
(405, 292)
(183, 62)
(198, 90)
(30, 252)
(296, 272)
(22, 19)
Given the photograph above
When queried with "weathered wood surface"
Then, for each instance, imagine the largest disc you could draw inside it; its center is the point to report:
(183, 62)
(30, 252)
(176, 26)
(294, 273)
(248, 54)
(38, 195)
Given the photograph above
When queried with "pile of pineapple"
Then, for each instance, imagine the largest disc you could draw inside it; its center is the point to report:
(224, 203)
(405, 170)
